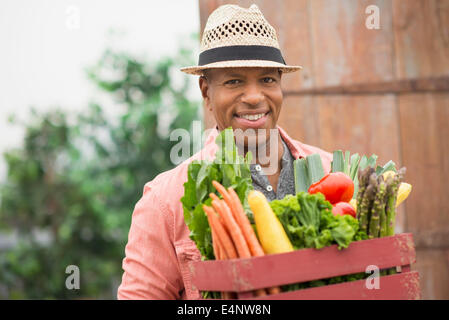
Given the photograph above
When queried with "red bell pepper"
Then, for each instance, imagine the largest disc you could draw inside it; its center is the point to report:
(335, 186)
(342, 208)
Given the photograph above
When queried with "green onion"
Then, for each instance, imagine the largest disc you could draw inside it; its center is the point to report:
(363, 163)
(390, 165)
(337, 162)
(354, 166)
(302, 182)
(315, 166)
(372, 161)
(347, 155)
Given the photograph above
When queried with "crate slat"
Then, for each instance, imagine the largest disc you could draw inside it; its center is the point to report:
(239, 275)
(402, 286)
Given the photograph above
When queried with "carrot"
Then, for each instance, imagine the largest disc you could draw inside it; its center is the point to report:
(236, 234)
(227, 198)
(229, 213)
(274, 290)
(221, 233)
(232, 200)
(222, 256)
(220, 188)
(250, 235)
(245, 225)
(213, 196)
(215, 245)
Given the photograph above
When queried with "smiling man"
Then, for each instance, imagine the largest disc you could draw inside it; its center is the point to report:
(240, 68)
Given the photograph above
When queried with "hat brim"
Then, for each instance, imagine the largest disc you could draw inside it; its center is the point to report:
(198, 70)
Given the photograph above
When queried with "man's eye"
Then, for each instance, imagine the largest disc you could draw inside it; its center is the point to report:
(233, 81)
(268, 80)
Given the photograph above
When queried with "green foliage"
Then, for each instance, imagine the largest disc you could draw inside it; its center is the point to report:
(78, 176)
(309, 223)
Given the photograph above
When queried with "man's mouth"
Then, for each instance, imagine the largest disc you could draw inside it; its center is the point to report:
(252, 120)
(252, 117)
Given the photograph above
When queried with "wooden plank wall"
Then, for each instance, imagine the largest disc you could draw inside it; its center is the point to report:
(380, 91)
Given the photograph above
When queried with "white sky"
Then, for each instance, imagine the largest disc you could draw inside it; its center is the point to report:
(46, 44)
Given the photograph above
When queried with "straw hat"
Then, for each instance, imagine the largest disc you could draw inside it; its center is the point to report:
(239, 37)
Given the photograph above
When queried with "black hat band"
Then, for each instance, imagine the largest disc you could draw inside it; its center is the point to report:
(230, 53)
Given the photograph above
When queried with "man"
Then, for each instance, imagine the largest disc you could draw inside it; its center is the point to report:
(240, 68)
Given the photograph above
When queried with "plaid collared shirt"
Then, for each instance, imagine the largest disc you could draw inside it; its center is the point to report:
(286, 182)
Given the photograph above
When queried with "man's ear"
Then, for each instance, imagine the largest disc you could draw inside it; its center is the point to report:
(204, 87)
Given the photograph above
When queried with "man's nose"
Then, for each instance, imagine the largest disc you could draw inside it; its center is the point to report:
(253, 94)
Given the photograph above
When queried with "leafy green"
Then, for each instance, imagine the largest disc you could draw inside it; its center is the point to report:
(309, 222)
(228, 168)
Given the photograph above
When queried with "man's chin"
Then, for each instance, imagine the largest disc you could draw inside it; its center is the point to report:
(252, 139)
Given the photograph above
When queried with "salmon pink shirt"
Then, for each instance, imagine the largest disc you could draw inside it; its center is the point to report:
(159, 248)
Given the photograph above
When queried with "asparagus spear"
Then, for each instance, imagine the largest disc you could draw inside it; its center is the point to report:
(378, 209)
(367, 201)
(363, 183)
(392, 190)
(383, 216)
(393, 185)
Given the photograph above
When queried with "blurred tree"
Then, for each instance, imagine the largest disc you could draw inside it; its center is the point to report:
(71, 188)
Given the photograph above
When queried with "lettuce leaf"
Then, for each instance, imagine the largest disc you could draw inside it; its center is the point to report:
(309, 222)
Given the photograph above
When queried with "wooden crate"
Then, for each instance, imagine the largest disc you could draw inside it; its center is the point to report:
(245, 275)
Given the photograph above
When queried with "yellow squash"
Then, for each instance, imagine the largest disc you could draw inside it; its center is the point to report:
(403, 192)
(271, 234)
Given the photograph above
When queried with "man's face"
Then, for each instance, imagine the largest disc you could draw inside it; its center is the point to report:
(243, 98)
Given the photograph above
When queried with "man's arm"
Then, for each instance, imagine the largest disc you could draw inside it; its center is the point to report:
(150, 266)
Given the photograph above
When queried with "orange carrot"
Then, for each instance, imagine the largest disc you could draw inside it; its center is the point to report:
(236, 234)
(245, 225)
(221, 233)
(233, 201)
(216, 247)
(274, 290)
(248, 232)
(213, 196)
(220, 188)
(234, 227)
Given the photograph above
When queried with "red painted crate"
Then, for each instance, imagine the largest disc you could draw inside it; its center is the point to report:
(245, 275)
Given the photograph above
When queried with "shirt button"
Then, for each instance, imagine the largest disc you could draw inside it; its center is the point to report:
(269, 188)
(258, 168)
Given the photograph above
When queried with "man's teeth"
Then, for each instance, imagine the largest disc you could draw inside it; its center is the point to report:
(252, 117)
